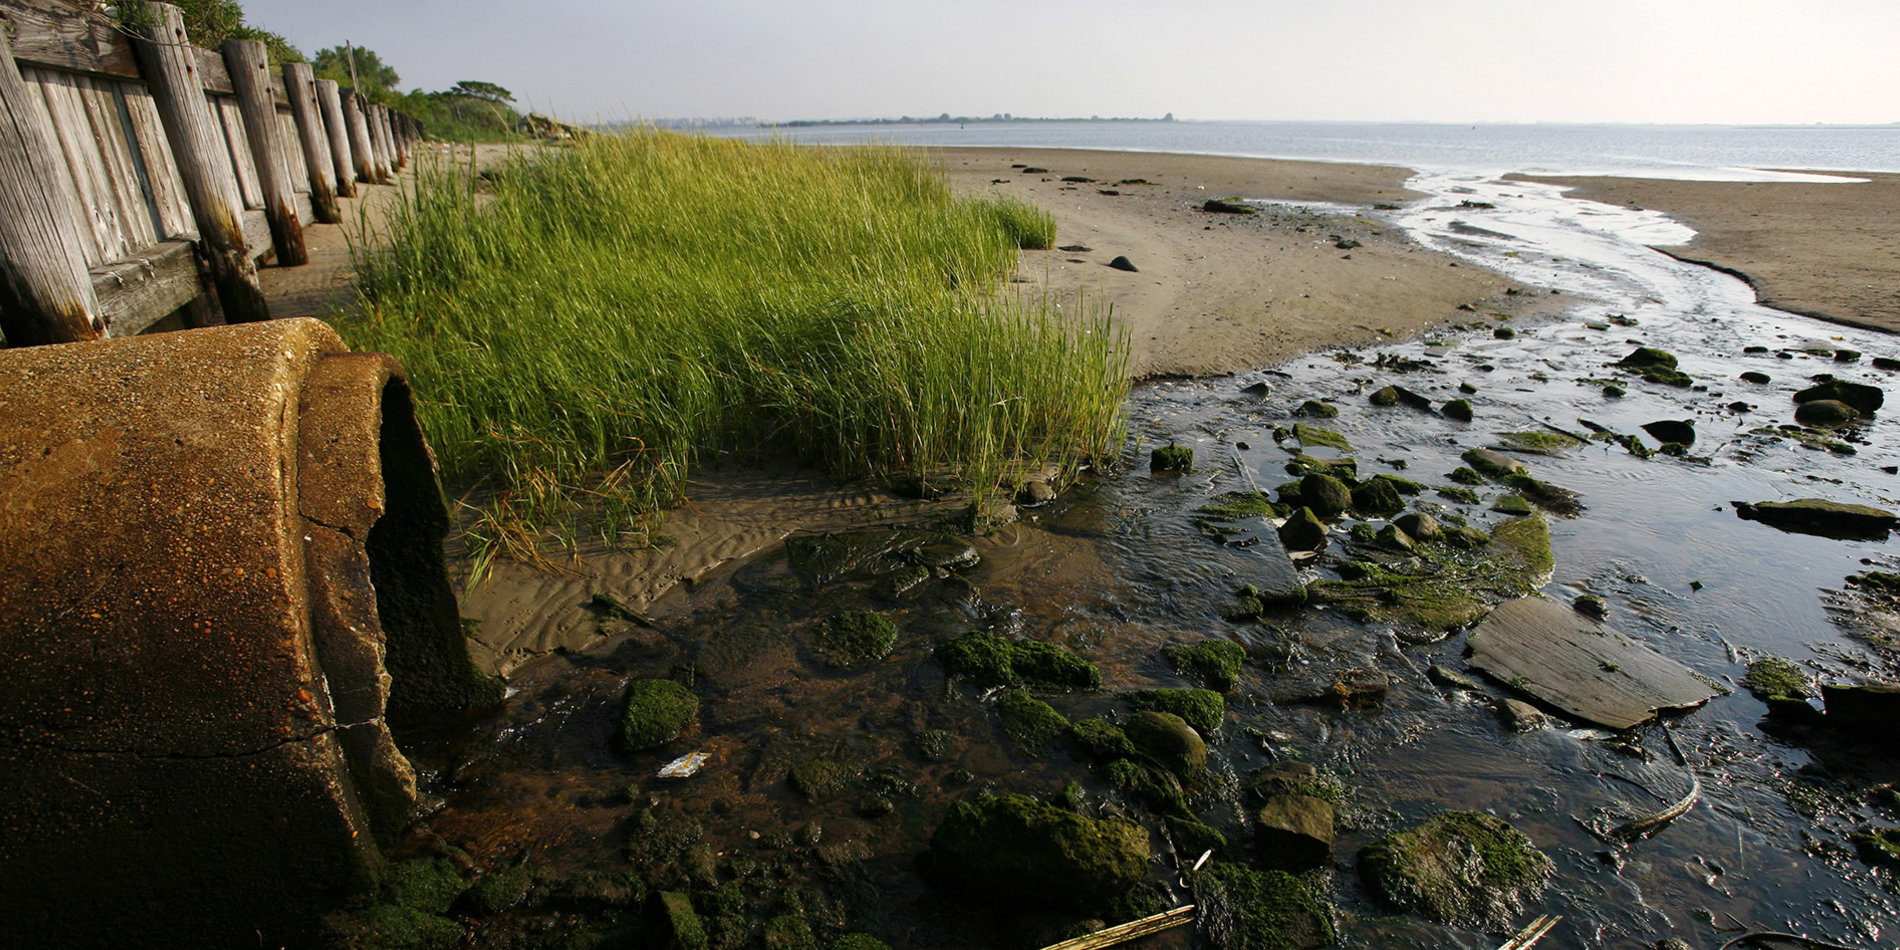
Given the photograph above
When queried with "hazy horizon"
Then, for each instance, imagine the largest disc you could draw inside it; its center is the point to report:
(1646, 62)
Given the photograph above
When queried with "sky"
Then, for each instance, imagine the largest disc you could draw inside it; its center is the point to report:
(1641, 61)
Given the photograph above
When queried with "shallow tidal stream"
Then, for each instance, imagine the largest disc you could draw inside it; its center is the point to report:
(1117, 568)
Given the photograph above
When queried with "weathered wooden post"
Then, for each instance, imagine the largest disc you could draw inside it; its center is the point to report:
(398, 152)
(362, 153)
(302, 92)
(249, 66)
(197, 140)
(338, 131)
(379, 141)
(45, 291)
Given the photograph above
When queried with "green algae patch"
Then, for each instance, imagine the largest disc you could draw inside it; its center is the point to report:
(1377, 497)
(1216, 663)
(1552, 498)
(1538, 443)
(1017, 850)
(1310, 436)
(1465, 476)
(1260, 910)
(1463, 868)
(497, 892)
(1168, 741)
(1102, 740)
(1463, 496)
(1031, 724)
(680, 922)
(1235, 505)
(1203, 709)
(859, 941)
(1461, 577)
(1773, 678)
(988, 660)
(1344, 469)
(856, 638)
(657, 711)
(1153, 786)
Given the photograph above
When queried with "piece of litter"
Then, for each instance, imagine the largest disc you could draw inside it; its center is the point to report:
(685, 765)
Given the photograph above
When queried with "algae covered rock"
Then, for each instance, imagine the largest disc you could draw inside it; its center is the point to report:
(1101, 739)
(1031, 724)
(1459, 409)
(1295, 831)
(1825, 412)
(1491, 462)
(1377, 496)
(856, 638)
(657, 712)
(1245, 909)
(1201, 708)
(1820, 516)
(1865, 398)
(1169, 741)
(1325, 495)
(986, 660)
(1310, 436)
(1017, 850)
(1463, 868)
(1214, 662)
(1171, 458)
(1452, 584)
(1647, 357)
(1303, 532)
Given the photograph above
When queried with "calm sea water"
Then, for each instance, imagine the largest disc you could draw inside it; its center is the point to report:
(1669, 151)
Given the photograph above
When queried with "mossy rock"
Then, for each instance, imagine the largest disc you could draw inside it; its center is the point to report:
(1385, 396)
(496, 893)
(1463, 496)
(1648, 357)
(1403, 486)
(1102, 740)
(1171, 458)
(1235, 505)
(657, 712)
(1465, 476)
(1773, 678)
(988, 660)
(1513, 505)
(1310, 436)
(1192, 838)
(1344, 469)
(1491, 463)
(1151, 785)
(389, 926)
(935, 745)
(1463, 868)
(1317, 410)
(1459, 409)
(1325, 495)
(1551, 498)
(1376, 497)
(1216, 663)
(1878, 846)
(1031, 724)
(1233, 204)
(1170, 742)
(821, 779)
(1247, 909)
(859, 941)
(856, 638)
(600, 891)
(1538, 443)
(789, 932)
(1663, 376)
(1467, 572)
(1865, 398)
(1017, 850)
(679, 924)
(1203, 709)
(429, 886)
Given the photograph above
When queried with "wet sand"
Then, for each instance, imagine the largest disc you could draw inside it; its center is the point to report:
(1224, 293)
(1830, 251)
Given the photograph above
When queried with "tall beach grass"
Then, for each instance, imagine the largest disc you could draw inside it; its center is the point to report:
(584, 323)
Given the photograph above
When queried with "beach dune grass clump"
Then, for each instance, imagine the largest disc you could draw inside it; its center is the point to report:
(581, 326)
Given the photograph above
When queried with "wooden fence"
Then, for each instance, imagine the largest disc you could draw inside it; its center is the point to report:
(142, 177)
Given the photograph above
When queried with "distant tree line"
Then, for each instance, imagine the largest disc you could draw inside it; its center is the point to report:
(471, 110)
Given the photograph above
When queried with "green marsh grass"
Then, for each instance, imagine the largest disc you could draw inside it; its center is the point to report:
(581, 326)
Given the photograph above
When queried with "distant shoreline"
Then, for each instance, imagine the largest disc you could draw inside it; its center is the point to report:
(1000, 118)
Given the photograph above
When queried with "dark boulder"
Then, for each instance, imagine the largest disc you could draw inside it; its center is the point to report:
(1463, 868)
(1672, 430)
(1819, 516)
(1303, 532)
(1868, 711)
(1325, 495)
(1169, 741)
(1123, 263)
(1859, 395)
(1647, 357)
(1295, 832)
(1825, 412)
(1017, 850)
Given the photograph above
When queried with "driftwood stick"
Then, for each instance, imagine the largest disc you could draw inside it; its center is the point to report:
(1532, 932)
(1133, 930)
(1647, 825)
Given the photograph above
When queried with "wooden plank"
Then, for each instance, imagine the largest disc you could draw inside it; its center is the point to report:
(238, 150)
(257, 233)
(314, 146)
(161, 170)
(249, 67)
(208, 66)
(108, 133)
(362, 153)
(136, 293)
(62, 36)
(294, 158)
(94, 192)
(46, 295)
(197, 142)
(379, 143)
(337, 131)
(1579, 666)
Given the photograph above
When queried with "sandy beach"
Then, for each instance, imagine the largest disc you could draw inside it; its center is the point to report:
(1830, 251)
(1224, 293)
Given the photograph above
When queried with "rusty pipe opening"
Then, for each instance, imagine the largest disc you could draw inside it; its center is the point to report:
(221, 579)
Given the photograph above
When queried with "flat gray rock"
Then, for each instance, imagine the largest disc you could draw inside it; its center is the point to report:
(1579, 666)
(1270, 568)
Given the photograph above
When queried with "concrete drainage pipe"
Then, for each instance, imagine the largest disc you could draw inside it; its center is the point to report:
(221, 580)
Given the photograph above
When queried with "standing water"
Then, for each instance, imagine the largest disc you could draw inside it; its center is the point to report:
(825, 782)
